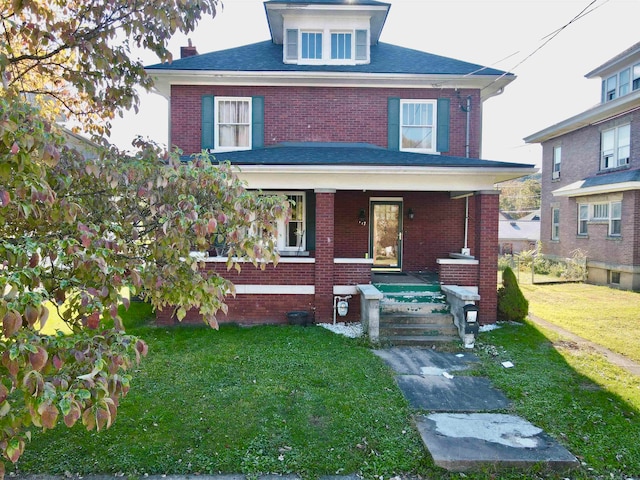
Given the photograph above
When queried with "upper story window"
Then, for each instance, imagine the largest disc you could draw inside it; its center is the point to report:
(615, 147)
(417, 125)
(329, 46)
(623, 82)
(557, 160)
(311, 45)
(341, 46)
(232, 123)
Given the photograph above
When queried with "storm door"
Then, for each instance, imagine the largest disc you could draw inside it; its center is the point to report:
(386, 235)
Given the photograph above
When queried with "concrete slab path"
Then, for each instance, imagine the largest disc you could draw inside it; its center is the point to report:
(467, 432)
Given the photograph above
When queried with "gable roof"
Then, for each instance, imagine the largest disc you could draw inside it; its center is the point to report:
(518, 230)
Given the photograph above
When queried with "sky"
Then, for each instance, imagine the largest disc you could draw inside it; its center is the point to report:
(542, 42)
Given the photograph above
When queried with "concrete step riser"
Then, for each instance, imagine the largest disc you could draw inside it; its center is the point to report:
(420, 341)
(414, 308)
(428, 331)
(417, 319)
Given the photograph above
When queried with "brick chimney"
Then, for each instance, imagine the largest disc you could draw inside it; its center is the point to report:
(188, 51)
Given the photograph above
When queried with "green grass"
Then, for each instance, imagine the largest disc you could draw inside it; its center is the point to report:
(250, 400)
(603, 315)
(575, 395)
(305, 401)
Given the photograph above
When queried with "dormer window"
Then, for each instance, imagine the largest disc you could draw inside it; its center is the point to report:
(622, 83)
(326, 47)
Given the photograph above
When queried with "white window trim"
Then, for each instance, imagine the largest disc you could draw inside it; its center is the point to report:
(434, 133)
(616, 148)
(326, 46)
(557, 162)
(216, 131)
(281, 239)
(607, 219)
(612, 219)
(583, 221)
(555, 226)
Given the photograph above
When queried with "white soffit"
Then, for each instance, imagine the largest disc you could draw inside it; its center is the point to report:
(391, 178)
(575, 189)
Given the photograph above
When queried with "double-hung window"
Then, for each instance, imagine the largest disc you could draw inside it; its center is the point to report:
(623, 88)
(555, 223)
(611, 87)
(583, 219)
(615, 147)
(291, 234)
(341, 46)
(311, 45)
(615, 219)
(417, 125)
(557, 160)
(635, 75)
(232, 123)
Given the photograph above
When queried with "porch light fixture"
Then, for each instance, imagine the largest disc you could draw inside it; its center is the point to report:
(362, 218)
(410, 214)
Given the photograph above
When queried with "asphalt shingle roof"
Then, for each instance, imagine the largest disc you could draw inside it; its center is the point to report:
(317, 154)
(612, 178)
(385, 58)
(329, 2)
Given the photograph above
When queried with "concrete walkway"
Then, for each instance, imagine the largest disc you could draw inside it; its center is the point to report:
(466, 432)
(612, 357)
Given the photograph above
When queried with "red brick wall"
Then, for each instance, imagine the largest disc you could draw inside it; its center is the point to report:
(320, 114)
(284, 273)
(251, 309)
(456, 274)
(325, 238)
(486, 251)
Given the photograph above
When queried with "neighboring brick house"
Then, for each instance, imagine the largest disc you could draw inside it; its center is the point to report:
(378, 146)
(591, 178)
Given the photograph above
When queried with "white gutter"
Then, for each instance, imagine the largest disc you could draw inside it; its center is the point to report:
(575, 189)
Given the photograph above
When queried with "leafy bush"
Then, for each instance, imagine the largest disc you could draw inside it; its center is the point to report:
(505, 261)
(512, 305)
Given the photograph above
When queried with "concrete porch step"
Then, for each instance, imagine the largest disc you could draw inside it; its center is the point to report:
(420, 341)
(388, 306)
(411, 318)
(429, 330)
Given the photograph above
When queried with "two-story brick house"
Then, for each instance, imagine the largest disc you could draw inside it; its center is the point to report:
(591, 178)
(377, 145)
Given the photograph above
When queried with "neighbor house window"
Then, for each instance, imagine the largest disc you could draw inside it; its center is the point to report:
(340, 46)
(555, 223)
(557, 160)
(583, 219)
(615, 219)
(233, 123)
(311, 45)
(600, 211)
(616, 147)
(635, 75)
(614, 277)
(611, 88)
(623, 89)
(417, 125)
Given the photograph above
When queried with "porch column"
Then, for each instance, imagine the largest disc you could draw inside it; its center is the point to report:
(486, 251)
(325, 230)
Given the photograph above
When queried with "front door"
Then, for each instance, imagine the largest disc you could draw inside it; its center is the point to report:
(386, 235)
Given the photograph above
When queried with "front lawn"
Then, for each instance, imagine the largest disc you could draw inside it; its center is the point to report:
(249, 400)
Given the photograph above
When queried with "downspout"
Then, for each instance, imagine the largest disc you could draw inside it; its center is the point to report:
(465, 249)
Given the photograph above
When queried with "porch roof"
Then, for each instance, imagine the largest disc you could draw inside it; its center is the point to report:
(357, 166)
(612, 182)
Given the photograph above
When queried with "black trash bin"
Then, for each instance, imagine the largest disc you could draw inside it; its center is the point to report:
(298, 317)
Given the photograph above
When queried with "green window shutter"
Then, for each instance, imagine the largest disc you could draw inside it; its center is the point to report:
(207, 134)
(257, 122)
(393, 122)
(442, 142)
